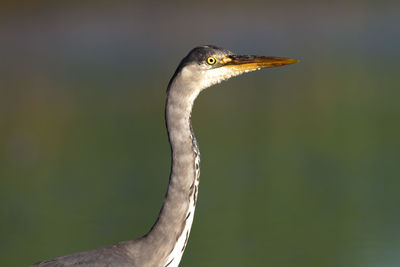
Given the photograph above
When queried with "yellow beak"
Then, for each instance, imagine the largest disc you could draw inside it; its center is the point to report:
(249, 63)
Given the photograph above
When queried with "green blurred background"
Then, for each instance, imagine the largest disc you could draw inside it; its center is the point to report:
(300, 164)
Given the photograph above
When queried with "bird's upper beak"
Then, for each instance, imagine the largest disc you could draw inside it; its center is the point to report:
(249, 63)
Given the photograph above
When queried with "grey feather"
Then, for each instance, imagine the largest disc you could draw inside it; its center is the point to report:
(164, 244)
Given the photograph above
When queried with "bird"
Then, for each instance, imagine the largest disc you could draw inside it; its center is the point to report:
(164, 244)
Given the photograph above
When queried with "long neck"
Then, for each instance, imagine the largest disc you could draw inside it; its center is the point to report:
(170, 233)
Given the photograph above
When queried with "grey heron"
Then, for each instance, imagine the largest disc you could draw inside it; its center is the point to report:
(164, 244)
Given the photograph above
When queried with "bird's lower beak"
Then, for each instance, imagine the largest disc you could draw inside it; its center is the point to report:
(249, 63)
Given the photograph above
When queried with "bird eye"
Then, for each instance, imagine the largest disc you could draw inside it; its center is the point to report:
(211, 60)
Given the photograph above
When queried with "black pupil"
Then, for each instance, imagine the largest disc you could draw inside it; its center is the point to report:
(211, 60)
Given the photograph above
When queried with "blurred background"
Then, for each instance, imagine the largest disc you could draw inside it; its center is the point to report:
(300, 164)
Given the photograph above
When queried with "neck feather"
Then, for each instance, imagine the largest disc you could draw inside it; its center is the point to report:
(170, 233)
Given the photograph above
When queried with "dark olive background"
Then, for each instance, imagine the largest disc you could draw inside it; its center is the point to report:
(300, 164)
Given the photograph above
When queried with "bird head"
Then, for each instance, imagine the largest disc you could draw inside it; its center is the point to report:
(207, 65)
